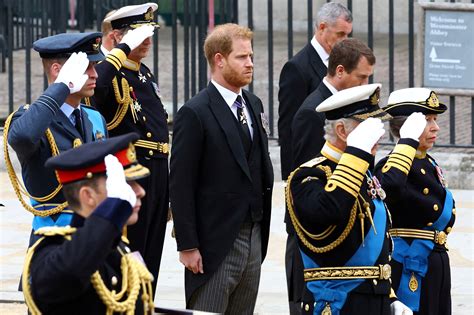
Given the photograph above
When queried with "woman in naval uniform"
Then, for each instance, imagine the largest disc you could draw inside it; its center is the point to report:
(421, 206)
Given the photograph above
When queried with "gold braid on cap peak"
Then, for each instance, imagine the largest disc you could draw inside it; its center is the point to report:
(375, 97)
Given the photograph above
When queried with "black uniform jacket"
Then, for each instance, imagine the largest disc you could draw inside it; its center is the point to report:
(415, 195)
(308, 127)
(299, 77)
(145, 114)
(210, 181)
(60, 271)
(27, 137)
(319, 202)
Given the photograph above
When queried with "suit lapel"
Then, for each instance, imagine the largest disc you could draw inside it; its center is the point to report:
(316, 62)
(225, 118)
(255, 112)
(87, 127)
(63, 121)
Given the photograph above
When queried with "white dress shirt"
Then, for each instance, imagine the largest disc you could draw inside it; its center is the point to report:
(321, 51)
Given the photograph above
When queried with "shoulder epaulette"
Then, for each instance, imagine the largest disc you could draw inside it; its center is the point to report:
(313, 162)
(56, 230)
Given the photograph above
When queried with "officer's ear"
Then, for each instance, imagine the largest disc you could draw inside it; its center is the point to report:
(88, 199)
(341, 131)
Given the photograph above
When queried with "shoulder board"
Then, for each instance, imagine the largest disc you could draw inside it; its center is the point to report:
(55, 231)
(26, 106)
(89, 107)
(314, 162)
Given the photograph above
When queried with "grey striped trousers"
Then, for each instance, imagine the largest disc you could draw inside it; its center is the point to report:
(234, 286)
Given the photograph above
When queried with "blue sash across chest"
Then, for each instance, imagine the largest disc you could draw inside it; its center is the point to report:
(334, 292)
(414, 258)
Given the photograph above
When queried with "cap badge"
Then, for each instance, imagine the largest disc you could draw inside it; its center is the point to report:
(131, 154)
(149, 14)
(433, 100)
(375, 98)
(76, 143)
(95, 46)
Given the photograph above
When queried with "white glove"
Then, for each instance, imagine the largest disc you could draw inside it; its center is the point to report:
(135, 37)
(116, 184)
(72, 72)
(398, 308)
(413, 127)
(366, 134)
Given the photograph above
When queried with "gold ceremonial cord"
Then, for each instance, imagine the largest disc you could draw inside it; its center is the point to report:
(301, 232)
(25, 284)
(18, 187)
(123, 102)
(134, 276)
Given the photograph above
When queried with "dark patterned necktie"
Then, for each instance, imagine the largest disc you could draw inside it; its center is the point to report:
(242, 118)
(80, 129)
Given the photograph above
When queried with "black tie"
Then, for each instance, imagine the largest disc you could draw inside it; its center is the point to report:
(242, 118)
(77, 114)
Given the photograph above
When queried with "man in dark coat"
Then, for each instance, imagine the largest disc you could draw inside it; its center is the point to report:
(351, 64)
(221, 181)
(87, 268)
(56, 122)
(299, 77)
(129, 98)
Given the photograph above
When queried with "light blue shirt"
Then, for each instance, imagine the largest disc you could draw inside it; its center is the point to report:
(67, 110)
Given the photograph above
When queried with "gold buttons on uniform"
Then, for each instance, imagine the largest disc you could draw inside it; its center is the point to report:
(423, 171)
(430, 224)
(449, 229)
(374, 281)
(150, 152)
(435, 207)
(426, 191)
(306, 307)
(454, 211)
(389, 257)
(89, 175)
(144, 118)
(114, 281)
(148, 134)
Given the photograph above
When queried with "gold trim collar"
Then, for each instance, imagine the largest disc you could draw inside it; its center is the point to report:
(331, 152)
(420, 154)
(131, 65)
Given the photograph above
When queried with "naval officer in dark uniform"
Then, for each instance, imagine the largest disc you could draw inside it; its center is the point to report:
(87, 268)
(55, 122)
(129, 98)
(422, 207)
(338, 214)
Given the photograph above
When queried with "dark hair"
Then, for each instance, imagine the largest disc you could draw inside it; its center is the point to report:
(71, 190)
(395, 124)
(348, 53)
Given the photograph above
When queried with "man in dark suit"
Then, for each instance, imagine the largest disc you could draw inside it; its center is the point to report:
(55, 122)
(299, 77)
(221, 181)
(351, 64)
(129, 98)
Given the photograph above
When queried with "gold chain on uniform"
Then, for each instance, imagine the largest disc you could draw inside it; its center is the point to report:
(18, 187)
(123, 102)
(134, 276)
(301, 232)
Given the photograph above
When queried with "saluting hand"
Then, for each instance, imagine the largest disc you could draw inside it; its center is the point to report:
(135, 37)
(366, 135)
(116, 183)
(192, 260)
(413, 127)
(72, 72)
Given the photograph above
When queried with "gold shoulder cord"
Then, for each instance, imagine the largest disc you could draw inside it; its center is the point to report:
(302, 233)
(134, 276)
(18, 187)
(123, 101)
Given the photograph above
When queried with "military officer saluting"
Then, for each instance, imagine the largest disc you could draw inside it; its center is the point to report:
(129, 98)
(86, 268)
(422, 207)
(335, 205)
(55, 122)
